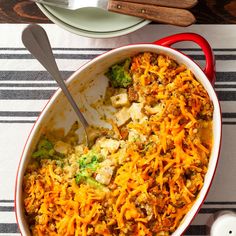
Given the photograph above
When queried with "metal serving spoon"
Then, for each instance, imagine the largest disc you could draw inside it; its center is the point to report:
(35, 39)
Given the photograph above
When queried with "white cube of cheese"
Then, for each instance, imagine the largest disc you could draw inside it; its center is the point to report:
(136, 112)
(122, 116)
(120, 100)
(110, 144)
(134, 135)
(62, 147)
(104, 177)
(105, 172)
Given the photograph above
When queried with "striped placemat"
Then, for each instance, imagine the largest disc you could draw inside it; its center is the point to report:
(25, 88)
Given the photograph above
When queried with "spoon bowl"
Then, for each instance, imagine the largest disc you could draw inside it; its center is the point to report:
(35, 39)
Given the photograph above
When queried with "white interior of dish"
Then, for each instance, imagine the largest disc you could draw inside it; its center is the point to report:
(86, 86)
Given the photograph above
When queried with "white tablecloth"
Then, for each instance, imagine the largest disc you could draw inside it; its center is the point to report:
(25, 88)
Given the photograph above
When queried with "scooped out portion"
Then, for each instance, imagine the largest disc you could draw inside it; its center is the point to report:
(141, 177)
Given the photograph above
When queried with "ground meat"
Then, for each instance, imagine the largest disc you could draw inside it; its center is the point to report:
(150, 100)
(170, 144)
(124, 133)
(132, 94)
(174, 110)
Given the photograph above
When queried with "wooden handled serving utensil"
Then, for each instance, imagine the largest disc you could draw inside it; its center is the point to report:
(163, 11)
(168, 15)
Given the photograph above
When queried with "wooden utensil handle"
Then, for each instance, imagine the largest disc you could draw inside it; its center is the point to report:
(166, 15)
(167, 3)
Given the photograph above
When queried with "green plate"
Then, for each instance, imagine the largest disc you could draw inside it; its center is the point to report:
(93, 22)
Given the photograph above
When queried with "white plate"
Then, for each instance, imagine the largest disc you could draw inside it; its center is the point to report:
(93, 22)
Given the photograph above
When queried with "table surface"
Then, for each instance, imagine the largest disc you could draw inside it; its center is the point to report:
(206, 12)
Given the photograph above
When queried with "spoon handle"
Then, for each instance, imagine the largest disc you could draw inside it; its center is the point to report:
(173, 16)
(36, 41)
(168, 3)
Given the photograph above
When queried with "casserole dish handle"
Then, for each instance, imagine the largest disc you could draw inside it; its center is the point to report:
(204, 45)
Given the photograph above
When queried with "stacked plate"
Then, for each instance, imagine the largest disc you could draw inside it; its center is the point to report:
(93, 22)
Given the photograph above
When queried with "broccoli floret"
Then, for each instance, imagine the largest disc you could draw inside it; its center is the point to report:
(45, 150)
(82, 177)
(119, 75)
(88, 164)
(45, 144)
(89, 161)
(92, 182)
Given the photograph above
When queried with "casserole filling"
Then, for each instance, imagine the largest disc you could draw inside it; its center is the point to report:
(141, 177)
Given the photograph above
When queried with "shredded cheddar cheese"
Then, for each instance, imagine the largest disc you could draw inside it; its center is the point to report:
(145, 179)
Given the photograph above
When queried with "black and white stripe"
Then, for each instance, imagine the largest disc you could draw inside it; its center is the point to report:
(38, 85)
